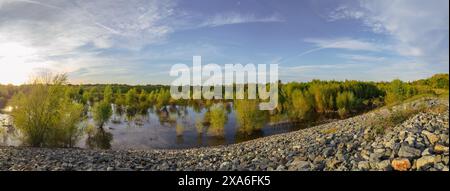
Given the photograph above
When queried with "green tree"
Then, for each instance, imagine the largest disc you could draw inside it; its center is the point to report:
(131, 102)
(345, 102)
(102, 112)
(143, 102)
(302, 105)
(249, 116)
(108, 94)
(45, 115)
(218, 118)
(163, 98)
(396, 92)
(119, 101)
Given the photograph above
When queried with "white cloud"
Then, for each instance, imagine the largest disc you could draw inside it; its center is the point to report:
(238, 18)
(387, 71)
(294, 70)
(418, 28)
(73, 30)
(362, 58)
(344, 43)
(343, 12)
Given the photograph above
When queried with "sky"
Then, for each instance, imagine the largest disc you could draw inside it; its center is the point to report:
(138, 41)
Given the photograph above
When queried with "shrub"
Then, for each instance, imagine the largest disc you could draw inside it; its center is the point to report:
(218, 118)
(346, 102)
(131, 101)
(45, 115)
(380, 124)
(108, 94)
(249, 117)
(302, 105)
(102, 112)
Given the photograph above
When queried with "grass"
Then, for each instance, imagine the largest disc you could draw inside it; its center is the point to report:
(397, 116)
(329, 130)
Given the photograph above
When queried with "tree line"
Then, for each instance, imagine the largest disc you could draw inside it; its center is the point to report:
(50, 112)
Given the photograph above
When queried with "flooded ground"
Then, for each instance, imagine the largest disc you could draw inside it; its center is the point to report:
(174, 127)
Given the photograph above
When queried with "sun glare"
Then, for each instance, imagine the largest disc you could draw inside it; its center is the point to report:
(16, 63)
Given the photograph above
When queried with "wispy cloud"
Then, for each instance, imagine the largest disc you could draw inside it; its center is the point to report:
(343, 43)
(362, 58)
(418, 28)
(238, 18)
(303, 68)
(63, 34)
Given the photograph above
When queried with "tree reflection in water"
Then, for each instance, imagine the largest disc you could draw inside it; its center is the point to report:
(98, 138)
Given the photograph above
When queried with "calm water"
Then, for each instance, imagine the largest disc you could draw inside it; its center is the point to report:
(171, 128)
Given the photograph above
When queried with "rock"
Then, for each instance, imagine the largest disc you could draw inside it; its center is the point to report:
(224, 165)
(445, 160)
(431, 137)
(444, 138)
(364, 165)
(299, 165)
(110, 168)
(424, 161)
(380, 151)
(440, 148)
(426, 152)
(401, 164)
(384, 165)
(410, 140)
(332, 163)
(402, 135)
(375, 157)
(389, 144)
(408, 152)
(439, 166)
(280, 168)
(328, 152)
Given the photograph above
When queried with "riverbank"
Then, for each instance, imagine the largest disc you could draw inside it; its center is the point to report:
(419, 143)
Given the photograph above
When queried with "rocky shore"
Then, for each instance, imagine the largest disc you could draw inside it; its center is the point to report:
(420, 143)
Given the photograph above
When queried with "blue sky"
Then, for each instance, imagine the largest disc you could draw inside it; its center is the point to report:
(137, 41)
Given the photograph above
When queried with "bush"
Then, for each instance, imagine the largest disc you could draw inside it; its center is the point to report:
(45, 115)
(249, 117)
(218, 118)
(102, 112)
(302, 105)
(380, 124)
(345, 102)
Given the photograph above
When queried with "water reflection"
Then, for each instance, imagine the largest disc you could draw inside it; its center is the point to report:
(8, 135)
(195, 125)
(98, 138)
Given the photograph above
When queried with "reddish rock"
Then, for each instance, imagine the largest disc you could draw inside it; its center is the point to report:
(401, 164)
